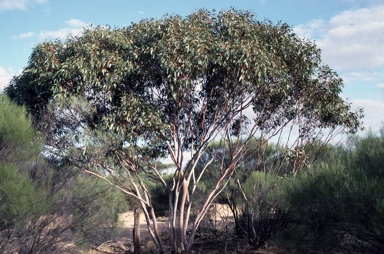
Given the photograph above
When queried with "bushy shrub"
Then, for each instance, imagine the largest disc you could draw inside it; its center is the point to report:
(25, 202)
(365, 163)
(20, 199)
(42, 198)
(95, 208)
(339, 205)
(315, 210)
(260, 211)
(160, 196)
(15, 127)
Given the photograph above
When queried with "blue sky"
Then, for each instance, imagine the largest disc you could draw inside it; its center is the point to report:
(349, 32)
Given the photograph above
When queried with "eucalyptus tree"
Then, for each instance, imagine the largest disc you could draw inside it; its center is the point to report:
(114, 102)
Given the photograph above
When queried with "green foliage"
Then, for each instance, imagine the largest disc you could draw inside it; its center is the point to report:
(96, 206)
(14, 126)
(16, 133)
(336, 204)
(267, 188)
(114, 101)
(41, 199)
(316, 210)
(26, 203)
(262, 214)
(18, 194)
(210, 60)
(20, 199)
(341, 200)
(257, 192)
(160, 196)
(365, 154)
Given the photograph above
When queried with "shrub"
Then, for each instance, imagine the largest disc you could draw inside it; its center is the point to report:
(340, 204)
(25, 202)
(96, 206)
(261, 212)
(41, 199)
(315, 210)
(160, 196)
(19, 198)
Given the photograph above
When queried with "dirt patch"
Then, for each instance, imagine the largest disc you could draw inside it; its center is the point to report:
(212, 237)
(218, 213)
(126, 222)
(124, 241)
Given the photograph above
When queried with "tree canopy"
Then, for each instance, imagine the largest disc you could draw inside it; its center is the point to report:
(115, 100)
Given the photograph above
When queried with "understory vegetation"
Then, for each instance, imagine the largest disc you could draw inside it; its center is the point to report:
(333, 204)
(45, 206)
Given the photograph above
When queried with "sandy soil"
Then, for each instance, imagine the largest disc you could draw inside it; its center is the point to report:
(124, 241)
(219, 216)
(217, 213)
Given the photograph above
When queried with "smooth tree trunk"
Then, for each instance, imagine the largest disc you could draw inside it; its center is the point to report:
(136, 232)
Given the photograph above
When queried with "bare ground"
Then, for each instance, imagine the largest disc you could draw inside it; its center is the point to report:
(214, 236)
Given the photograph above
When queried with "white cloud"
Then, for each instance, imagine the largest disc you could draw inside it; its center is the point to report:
(19, 4)
(5, 76)
(76, 23)
(352, 43)
(366, 76)
(312, 29)
(74, 28)
(26, 35)
(12, 4)
(351, 39)
(23, 35)
(373, 111)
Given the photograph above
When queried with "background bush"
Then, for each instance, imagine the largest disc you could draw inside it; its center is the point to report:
(339, 205)
(95, 208)
(44, 203)
(20, 199)
(336, 204)
(260, 213)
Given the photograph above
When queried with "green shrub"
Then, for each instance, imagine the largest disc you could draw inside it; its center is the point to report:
(340, 204)
(15, 127)
(19, 198)
(24, 228)
(262, 213)
(315, 210)
(96, 206)
(160, 196)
